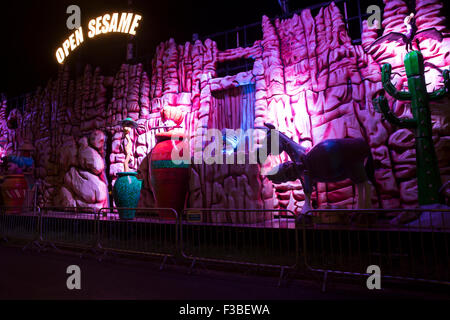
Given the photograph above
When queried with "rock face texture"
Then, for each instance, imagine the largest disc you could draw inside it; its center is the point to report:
(7, 140)
(63, 122)
(309, 80)
(230, 186)
(313, 84)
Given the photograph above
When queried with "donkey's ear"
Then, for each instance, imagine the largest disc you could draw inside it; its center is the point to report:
(269, 125)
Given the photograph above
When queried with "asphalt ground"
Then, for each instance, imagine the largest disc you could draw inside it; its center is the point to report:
(32, 275)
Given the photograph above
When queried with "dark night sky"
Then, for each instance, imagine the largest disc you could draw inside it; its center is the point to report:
(31, 31)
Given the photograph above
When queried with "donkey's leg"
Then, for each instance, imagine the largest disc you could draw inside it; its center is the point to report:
(361, 201)
(307, 205)
(305, 218)
(367, 195)
(307, 190)
(359, 177)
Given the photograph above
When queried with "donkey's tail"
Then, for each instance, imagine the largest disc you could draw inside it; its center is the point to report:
(370, 172)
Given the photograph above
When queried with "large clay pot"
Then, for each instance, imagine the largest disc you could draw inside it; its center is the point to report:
(126, 193)
(169, 180)
(14, 189)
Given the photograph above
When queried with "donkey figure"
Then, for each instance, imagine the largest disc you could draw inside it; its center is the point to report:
(329, 161)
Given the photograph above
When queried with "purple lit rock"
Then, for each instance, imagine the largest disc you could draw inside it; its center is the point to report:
(68, 155)
(310, 81)
(90, 160)
(97, 140)
(65, 198)
(87, 186)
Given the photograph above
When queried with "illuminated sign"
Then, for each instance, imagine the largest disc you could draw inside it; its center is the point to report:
(115, 22)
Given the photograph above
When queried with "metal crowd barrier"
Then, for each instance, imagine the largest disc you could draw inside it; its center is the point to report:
(153, 231)
(418, 251)
(343, 242)
(30, 201)
(259, 238)
(18, 223)
(74, 227)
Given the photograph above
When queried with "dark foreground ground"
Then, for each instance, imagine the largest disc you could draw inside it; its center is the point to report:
(32, 275)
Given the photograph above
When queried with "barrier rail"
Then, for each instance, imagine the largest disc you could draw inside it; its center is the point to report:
(68, 226)
(30, 199)
(341, 241)
(251, 237)
(418, 251)
(18, 223)
(153, 231)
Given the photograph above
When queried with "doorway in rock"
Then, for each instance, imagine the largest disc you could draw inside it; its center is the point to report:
(233, 108)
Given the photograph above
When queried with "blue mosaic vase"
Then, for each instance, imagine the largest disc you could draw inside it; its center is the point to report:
(126, 193)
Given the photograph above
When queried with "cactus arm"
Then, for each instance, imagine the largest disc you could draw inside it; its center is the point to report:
(386, 71)
(435, 95)
(381, 105)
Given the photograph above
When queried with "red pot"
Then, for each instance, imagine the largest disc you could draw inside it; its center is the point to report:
(169, 181)
(14, 189)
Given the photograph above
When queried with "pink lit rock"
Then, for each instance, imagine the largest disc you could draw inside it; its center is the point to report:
(97, 140)
(90, 159)
(87, 186)
(408, 191)
(65, 198)
(402, 139)
(116, 168)
(68, 155)
(443, 151)
(228, 186)
(310, 81)
(430, 14)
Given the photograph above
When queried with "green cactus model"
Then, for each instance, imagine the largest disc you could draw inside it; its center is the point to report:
(428, 177)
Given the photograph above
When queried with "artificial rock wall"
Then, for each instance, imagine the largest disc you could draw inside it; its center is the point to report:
(310, 81)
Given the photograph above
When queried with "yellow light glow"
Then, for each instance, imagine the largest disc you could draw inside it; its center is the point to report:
(107, 23)
(60, 55)
(79, 36)
(98, 24)
(66, 46)
(114, 20)
(75, 39)
(72, 42)
(91, 27)
(125, 21)
(135, 24)
(110, 23)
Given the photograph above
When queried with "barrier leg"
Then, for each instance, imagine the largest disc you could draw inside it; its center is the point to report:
(33, 244)
(97, 251)
(37, 242)
(280, 279)
(163, 263)
(196, 262)
(41, 245)
(192, 266)
(324, 282)
(46, 244)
